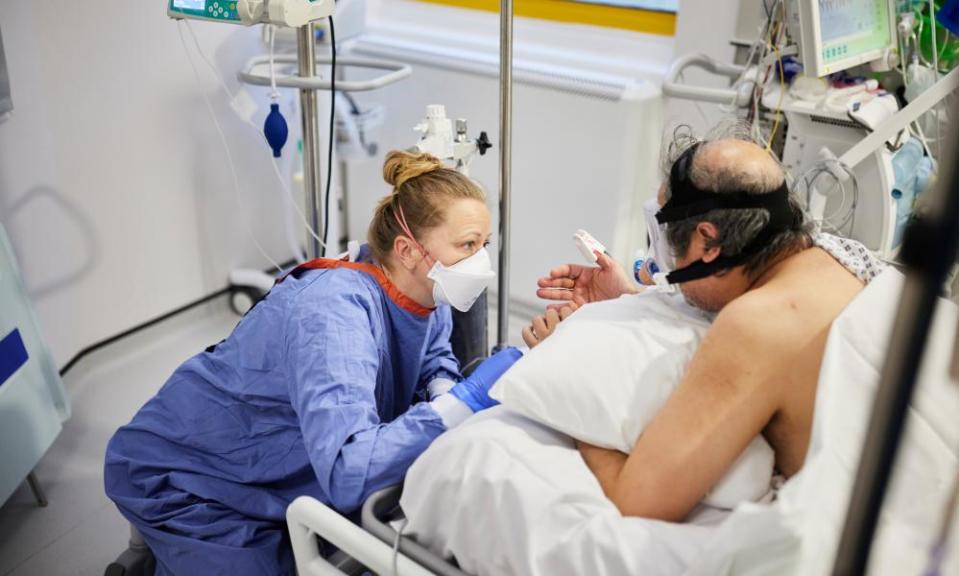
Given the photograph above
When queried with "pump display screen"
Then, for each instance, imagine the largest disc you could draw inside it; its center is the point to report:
(852, 28)
(189, 4)
(216, 10)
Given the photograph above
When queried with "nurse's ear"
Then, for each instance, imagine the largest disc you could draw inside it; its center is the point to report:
(406, 253)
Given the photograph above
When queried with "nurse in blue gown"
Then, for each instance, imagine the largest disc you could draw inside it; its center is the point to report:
(329, 387)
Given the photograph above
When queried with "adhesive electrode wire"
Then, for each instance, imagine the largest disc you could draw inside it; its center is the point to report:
(229, 153)
(759, 85)
(753, 50)
(290, 199)
(809, 179)
(782, 78)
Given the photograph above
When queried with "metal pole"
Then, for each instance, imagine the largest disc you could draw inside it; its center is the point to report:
(929, 250)
(505, 159)
(309, 111)
(37, 490)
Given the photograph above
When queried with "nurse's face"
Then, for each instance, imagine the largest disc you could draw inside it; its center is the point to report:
(464, 231)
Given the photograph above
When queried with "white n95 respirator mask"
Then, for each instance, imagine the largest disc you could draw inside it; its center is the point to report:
(462, 283)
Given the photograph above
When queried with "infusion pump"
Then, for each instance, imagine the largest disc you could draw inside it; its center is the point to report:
(291, 13)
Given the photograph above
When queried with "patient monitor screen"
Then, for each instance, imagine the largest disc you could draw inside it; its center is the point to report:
(853, 28)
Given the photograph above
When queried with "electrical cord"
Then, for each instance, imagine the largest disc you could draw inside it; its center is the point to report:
(144, 325)
(808, 181)
(329, 152)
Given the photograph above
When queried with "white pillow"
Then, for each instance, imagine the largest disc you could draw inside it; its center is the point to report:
(609, 368)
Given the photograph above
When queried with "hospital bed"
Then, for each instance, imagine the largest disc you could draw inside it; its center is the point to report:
(456, 511)
(516, 502)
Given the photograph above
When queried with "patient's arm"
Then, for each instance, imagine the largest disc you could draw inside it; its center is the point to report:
(724, 401)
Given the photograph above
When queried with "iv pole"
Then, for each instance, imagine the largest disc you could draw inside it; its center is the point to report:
(309, 107)
(506, 166)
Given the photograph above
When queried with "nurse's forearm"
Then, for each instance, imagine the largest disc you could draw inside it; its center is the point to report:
(374, 458)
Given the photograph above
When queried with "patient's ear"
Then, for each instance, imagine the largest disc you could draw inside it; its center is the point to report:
(708, 233)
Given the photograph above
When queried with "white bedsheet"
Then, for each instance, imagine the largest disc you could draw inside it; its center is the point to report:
(799, 534)
(505, 495)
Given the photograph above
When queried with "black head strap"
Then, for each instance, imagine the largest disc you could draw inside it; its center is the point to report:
(688, 201)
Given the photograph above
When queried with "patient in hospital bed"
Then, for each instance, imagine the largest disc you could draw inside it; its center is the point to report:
(675, 416)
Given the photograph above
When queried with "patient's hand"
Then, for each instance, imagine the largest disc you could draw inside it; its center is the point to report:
(583, 284)
(543, 326)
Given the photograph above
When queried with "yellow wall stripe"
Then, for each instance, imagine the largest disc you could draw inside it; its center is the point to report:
(647, 21)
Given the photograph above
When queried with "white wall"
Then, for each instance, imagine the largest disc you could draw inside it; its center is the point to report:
(704, 26)
(116, 191)
(579, 160)
(114, 186)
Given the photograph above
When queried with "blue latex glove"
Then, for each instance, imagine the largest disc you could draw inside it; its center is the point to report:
(474, 391)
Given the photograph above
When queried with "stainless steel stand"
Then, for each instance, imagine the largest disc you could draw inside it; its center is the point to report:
(309, 112)
(505, 170)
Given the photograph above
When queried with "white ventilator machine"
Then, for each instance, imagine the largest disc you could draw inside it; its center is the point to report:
(827, 134)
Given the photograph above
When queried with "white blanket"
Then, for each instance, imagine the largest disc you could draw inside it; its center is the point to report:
(799, 534)
(505, 495)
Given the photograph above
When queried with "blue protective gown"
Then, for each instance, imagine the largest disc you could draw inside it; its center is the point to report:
(315, 392)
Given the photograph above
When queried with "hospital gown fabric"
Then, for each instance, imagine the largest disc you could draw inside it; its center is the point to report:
(314, 393)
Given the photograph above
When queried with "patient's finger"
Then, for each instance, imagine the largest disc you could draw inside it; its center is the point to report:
(567, 311)
(529, 337)
(552, 319)
(539, 327)
(555, 283)
(566, 271)
(555, 294)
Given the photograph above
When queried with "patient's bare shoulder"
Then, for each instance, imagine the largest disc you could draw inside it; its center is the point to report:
(761, 320)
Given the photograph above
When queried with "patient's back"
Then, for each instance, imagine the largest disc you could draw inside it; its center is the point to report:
(796, 307)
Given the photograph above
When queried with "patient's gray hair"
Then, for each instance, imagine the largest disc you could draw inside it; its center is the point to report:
(737, 227)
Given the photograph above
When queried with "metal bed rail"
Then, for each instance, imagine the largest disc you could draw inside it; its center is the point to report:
(308, 519)
(380, 510)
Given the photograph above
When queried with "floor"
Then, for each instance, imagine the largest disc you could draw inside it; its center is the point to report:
(80, 532)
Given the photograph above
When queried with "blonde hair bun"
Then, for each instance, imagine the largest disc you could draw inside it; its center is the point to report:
(401, 166)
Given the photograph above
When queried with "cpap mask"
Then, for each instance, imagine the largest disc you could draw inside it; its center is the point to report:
(687, 201)
(661, 260)
(461, 284)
